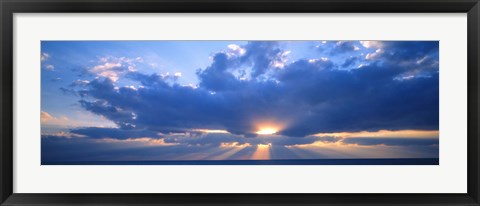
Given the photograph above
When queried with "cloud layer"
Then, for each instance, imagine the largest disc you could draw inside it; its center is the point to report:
(396, 88)
(348, 87)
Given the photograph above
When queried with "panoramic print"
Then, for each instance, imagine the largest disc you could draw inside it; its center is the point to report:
(239, 102)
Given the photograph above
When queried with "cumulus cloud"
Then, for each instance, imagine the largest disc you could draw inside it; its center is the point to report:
(47, 118)
(244, 86)
(372, 44)
(114, 133)
(49, 67)
(113, 67)
(56, 79)
(79, 82)
(62, 134)
(62, 121)
(235, 50)
(44, 56)
(345, 46)
(338, 47)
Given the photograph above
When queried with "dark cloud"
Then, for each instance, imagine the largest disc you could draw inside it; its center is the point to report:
(68, 91)
(349, 62)
(405, 51)
(345, 46)
(100, 133)
(338, 47)
(308, 96)
(218, 139)
(260, 55)
(392, 141)
(216, 77)
(364, 99)
(416, 58)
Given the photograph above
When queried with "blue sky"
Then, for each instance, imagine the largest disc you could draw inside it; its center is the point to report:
(197, 100)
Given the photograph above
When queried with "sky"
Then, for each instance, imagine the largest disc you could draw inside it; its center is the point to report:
(238, 100)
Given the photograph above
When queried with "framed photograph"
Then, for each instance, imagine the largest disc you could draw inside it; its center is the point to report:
(268, 102)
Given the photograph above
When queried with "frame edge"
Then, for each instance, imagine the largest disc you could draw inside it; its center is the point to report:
(473, 38)
(6, 129)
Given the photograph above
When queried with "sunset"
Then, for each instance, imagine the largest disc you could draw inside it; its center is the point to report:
(240, 102)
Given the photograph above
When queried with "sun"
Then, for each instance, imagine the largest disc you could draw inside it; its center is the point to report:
(267, 131)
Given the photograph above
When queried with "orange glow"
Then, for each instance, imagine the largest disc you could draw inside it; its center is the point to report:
(142, 140)
(217, 131)
(262, 152)
(383, 133)
(233, 144)
(343, 150)
(230, 150)
(268, 126)
(267, 131)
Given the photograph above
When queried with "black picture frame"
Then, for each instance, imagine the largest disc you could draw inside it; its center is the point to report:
(9, 7)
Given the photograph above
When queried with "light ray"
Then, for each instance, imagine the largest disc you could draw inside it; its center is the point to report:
(229, 153)
(262, 152)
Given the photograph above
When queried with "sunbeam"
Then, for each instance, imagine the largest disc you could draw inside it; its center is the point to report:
(262, 152)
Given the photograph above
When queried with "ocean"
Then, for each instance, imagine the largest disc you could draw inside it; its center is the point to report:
(400, 161)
